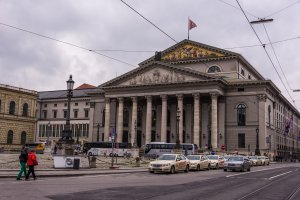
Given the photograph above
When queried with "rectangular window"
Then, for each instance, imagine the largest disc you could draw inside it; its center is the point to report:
(55, 105)
(241, 89)
(76, 104)
(86, 113)
(65, 113)
(86, 103)
(75, 113)
(66, 104)
(241, 140)
(54, 113)
(45, 105)
(45, 114)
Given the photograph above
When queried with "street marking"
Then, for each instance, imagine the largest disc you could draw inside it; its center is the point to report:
(252, 172)
(280, 175)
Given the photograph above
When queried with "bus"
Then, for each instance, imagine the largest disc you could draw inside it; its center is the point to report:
(38, 147)
(155, 149)
(105, 149)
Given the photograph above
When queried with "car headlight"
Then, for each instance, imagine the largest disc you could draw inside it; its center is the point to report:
(166, 165)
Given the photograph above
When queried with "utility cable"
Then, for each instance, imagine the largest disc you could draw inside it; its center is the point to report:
(275, 54)
(238, 8)
(266, 52)
(149, 21)
(66, 43)
(290, 5)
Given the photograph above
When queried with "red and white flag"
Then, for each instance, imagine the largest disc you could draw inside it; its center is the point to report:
(191, 24)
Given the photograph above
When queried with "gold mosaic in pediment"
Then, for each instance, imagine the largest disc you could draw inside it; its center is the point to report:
(188, 52)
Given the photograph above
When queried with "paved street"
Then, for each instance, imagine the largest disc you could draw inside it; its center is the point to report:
(277, 181)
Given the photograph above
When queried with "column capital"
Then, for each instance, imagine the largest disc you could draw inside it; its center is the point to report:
(164, 97)
(262, 97)
(120, 99)
(134, 99)
(179, 96)
(196, 95)
(107, 100)
(149, 98)
(214, 94)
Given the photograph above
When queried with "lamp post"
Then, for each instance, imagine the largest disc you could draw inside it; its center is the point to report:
(135, 128)
(177, 129)
(257, 151)
(48, 132)
(98, 134)
(77, 131)
(65, 143)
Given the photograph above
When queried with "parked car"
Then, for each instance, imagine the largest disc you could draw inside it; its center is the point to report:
(265, 160)
(216, 161)
(255, 160)
(199, 162)
(170, 163)
(237, 163)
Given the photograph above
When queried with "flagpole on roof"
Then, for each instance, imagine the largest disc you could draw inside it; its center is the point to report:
(188, 28)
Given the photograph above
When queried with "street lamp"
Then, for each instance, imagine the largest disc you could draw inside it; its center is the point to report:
(98, 134)
(48, 132)
(177, 129)
(67, 133)
(135, 128)
(257, 151)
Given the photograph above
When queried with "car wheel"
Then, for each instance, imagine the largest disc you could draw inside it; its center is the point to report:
(243, 168)
(217, 166)
(225, 170)
(152, 172)
(90, 154)
(208, 168)
(172, 170)
(198, 168)
(186, 168)
(249, 169)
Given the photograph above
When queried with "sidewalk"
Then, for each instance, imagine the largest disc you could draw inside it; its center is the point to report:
(12, 173)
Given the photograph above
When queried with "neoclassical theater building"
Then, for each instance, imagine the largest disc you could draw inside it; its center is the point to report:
(204, 95)
(208, 96)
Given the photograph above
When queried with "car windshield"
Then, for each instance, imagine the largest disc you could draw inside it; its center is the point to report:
(213, 157)
(167, 157)
(253, 157)
(235, 159)
(194, 157)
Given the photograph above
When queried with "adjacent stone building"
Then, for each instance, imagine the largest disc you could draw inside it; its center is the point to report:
(52, 112)
(17, 116)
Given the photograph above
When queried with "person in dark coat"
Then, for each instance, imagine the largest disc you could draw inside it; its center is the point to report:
(31, 162)
(23, 160)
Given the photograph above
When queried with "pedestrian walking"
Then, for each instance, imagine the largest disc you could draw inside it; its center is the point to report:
(31, 162)
(23, 160)
(55, 149)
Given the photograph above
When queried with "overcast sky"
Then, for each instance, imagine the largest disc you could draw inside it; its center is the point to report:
(36, 63)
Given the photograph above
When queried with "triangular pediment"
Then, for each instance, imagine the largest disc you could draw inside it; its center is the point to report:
(157, 73)
(191, 51)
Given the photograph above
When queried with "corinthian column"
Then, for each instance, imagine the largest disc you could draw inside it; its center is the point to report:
(133, 120)
(148, 119)
(120, 120)
(107, 119)
(196, 119)
(214, 120)
(164, 118)
(180, 108)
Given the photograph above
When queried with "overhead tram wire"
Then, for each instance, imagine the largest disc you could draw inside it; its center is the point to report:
(266, 52)
(149, 21)
(275, 54)
(238, 8)
(66, 43)
(278, 11)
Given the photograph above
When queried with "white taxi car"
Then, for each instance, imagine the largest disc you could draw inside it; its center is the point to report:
(170, 163)
(199, 162)
(216, 161)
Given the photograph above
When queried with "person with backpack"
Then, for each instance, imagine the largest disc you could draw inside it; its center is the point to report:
(31, 162)
(23, 160)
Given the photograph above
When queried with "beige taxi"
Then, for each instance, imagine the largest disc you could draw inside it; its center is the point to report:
(199, 162)
(170, 163)
(216, 161)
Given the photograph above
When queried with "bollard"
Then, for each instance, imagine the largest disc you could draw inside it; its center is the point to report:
(92, 161)
(137, 162)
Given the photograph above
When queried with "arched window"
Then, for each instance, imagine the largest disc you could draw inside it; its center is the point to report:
(10, 137)
(25, 110)
(214, 69)
(12, 108)
(241, 114)
(23, 137)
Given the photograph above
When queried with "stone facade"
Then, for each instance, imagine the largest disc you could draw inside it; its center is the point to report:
(17, 116)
